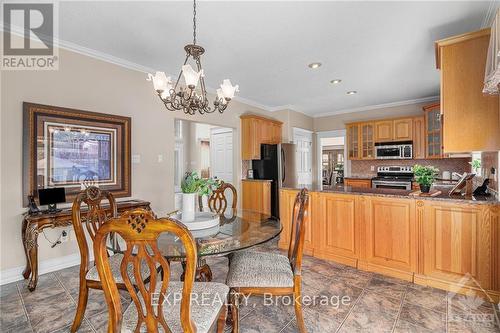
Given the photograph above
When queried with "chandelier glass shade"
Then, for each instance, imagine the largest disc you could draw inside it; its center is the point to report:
(191, 95)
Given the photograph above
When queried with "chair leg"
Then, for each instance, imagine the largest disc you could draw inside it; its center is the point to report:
(235, 311)
(221, 322)
(298, 311)
(83, 297)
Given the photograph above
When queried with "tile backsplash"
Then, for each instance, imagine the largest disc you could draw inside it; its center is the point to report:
(363, 168)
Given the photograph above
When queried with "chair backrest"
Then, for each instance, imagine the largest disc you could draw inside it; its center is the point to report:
(92, 218)
(140, 230)
(296, 246)
(218, 203)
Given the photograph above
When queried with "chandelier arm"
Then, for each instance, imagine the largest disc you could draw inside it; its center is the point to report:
(180, 72)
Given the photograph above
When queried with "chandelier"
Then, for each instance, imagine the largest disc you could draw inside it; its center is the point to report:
(192, 96)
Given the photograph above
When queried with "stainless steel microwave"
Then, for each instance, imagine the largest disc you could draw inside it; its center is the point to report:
(394, 150)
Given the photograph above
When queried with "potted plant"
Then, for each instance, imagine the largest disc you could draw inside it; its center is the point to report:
(424, 176)
(191, 186)
(476, 166)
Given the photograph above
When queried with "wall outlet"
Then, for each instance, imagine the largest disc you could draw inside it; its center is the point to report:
(64, 236)
(372, 168)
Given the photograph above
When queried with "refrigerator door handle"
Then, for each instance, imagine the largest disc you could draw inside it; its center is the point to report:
(282, 165)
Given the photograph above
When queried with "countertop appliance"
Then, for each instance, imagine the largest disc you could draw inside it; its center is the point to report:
(394, 150)
(393, 177)
(277, 163)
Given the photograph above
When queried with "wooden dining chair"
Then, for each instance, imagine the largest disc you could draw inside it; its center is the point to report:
(168, 306)
(260, 273)
(217, 202)
(88, 221)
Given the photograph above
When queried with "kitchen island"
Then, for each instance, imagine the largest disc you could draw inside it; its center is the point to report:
(445, 242)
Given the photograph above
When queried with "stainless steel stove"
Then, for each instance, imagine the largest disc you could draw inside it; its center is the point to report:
(393, 177)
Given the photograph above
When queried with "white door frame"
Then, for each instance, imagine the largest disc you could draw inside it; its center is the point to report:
(297, 131)
(319, 155)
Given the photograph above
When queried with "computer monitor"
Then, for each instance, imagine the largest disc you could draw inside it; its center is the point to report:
(51, 197)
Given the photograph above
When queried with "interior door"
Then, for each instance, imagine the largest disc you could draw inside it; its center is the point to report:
(303, 144)
(221, 156)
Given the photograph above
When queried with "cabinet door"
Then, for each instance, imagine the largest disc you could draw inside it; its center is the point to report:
(433, 133)
(276, 133)
(250, 139)
(362, 183)
(353, 142)
(367, 141)
(337, 218)
(419, 137)
(287, 200)
(266, 131)
(256, 196)
(384, 131)
(403, 129)
(457, 242)
(391, 235)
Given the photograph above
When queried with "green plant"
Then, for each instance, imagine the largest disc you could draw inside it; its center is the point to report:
(476, 164)
(192, 183)
(425, 175)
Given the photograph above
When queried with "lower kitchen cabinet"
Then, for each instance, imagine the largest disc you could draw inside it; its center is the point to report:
(256, 196)
(287, 200)
(358, 182)
(336, 221)
(444, 244)
(390, 242)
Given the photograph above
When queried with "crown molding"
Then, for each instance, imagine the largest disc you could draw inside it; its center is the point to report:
(378, 106)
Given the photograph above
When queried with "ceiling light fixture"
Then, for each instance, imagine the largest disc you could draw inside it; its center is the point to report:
(314, 65)
(352, 92)
(192, 97)
(336, 81)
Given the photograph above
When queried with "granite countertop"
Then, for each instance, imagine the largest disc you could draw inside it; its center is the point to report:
(256, 180)
(359, 177)
(405, 194)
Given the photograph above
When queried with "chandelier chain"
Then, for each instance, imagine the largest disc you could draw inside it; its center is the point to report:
(194, 22)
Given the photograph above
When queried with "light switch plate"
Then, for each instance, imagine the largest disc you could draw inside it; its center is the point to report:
(160, 158)
(136, 159)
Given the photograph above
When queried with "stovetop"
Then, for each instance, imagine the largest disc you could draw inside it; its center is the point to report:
(394, 178)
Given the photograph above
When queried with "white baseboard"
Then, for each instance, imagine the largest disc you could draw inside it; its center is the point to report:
(45, 266)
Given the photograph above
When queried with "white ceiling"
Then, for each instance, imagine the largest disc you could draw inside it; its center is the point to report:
(384, 50)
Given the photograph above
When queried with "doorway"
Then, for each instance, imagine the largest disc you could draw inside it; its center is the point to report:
(332, 162)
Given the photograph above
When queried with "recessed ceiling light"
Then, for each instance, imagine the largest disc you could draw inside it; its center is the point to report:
(336, 81)
(352, 92)
(314, 65)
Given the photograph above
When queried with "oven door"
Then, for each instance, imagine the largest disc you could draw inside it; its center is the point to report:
(387, 184)
(388, 152)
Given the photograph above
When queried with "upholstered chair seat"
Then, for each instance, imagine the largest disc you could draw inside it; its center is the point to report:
(207, 299)
(259, 269)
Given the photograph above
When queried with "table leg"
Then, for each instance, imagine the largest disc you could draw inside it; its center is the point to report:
(30, 241)
(203, 271)
(27, 270)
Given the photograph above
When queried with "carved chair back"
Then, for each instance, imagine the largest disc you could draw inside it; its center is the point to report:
(140, 230)
(93, 218)
(218, 203)
(296, 246)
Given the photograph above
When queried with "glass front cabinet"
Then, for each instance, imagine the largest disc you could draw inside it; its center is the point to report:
(360, 141)
(433, 131)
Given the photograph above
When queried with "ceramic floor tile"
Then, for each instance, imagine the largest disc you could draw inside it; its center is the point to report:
(387, 287)
(256, 322)
(11, 309)
(8, 289)
(48, 286)
(463, 304)
(403, 326)
(355, 277)
(365, 318)
(379, 302)
(96, 302)
(84, 328)
(484, 324)
(315, 322)
(427, 297)
(24, 327)
(426, 318)
(52, 313)
(99, 322)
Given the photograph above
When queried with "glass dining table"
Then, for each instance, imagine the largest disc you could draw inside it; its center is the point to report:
(236, 231)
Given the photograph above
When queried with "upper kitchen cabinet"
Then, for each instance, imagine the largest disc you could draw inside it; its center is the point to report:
(394, 130)
(433, 131)
(361, 141)
(471, 119)
(256, 130)
(419, 137)
(352, 141)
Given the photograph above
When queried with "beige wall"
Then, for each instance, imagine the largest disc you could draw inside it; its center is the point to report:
(336, 122)
(89, 84)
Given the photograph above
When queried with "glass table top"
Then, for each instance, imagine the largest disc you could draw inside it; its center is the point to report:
(234, 232)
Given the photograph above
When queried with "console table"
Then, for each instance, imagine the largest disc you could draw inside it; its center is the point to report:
(34, 224)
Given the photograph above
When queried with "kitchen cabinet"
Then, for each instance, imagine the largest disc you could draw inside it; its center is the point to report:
(353, 141)
(384, 131)
(256, 196)
(433, 131)
(256, 130)
(403, 129)
(419, 137)
(337, 219)
(287, 200)
(367, 143)
(358, 182)
(456, 242)
(471, 119)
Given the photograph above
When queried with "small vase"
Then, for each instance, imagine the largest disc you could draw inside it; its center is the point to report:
(188, 207)
(424, 188)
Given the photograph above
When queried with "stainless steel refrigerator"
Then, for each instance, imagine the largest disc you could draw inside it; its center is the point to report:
(277, 163)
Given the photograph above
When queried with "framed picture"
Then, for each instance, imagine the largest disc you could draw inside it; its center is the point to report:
(66, 147)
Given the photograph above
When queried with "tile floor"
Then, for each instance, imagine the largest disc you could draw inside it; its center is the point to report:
(367, 303)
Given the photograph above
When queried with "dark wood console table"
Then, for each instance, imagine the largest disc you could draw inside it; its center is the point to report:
(34, 224)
